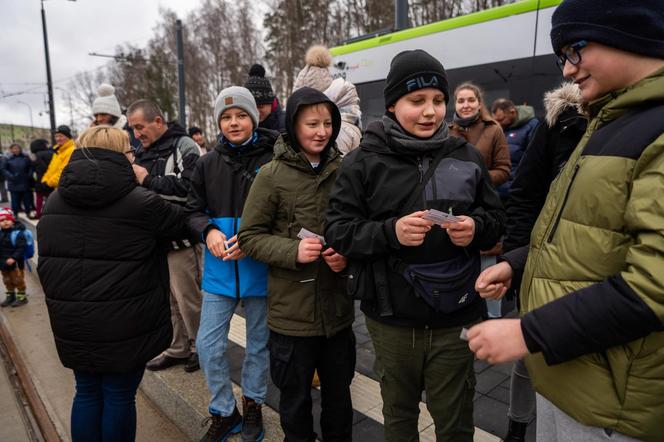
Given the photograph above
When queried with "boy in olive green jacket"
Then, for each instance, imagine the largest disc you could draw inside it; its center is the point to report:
(309, 314)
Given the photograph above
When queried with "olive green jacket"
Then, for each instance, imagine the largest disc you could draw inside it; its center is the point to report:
(601, 233)
(287, 195)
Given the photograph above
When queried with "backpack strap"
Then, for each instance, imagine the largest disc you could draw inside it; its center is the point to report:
(417, 191)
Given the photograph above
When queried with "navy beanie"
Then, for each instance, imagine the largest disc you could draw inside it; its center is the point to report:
(413, 70)
(633, 26)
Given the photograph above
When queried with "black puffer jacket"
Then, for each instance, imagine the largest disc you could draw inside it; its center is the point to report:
(546, 155)
(372, 187)
(103, 270)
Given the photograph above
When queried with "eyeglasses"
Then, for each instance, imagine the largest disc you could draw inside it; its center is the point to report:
(571, 53)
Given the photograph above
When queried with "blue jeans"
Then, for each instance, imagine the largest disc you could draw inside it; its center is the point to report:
(212, 342)
(104, 406)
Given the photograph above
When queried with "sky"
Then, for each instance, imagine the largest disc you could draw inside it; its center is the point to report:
(74, 30)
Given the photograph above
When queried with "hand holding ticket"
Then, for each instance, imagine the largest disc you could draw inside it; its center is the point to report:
(438, 217)
(304, 233)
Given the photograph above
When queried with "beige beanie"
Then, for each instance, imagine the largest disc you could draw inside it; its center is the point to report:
(106, 102)
(316, 73)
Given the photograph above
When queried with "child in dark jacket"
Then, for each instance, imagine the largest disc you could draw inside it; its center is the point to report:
(12, 252)
(379, 218)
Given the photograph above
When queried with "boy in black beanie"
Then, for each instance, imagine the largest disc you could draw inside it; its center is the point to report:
(389, 214)
(591, 292)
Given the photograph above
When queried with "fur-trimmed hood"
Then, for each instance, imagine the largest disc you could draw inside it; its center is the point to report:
(559, 100)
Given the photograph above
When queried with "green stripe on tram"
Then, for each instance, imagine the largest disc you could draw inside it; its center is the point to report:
(446, 25)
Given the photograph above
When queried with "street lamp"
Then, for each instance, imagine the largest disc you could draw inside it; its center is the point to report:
(32, 125)
(49, 80)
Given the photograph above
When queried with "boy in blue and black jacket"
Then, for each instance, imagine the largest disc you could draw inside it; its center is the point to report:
(12, 258)
(219, 187)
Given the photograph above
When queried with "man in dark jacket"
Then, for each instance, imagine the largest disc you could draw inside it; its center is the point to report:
(18, 172)
(164, 164)
(518, 123)
(42, 158)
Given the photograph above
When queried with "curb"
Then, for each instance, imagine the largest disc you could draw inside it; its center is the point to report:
(42, 410)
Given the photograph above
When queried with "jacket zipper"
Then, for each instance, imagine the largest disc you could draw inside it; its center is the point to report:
(420, 168)
(237, 268)
(560, 212)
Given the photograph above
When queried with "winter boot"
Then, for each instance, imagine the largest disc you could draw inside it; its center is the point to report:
(516, 432)
(21, 299)
(11, 297)
(252, 425)
(221, 427)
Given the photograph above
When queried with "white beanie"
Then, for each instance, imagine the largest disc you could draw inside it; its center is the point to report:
(106, 103)
(236, 96)
(315, 73)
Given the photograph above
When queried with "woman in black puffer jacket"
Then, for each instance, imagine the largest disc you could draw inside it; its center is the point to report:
(105, 277)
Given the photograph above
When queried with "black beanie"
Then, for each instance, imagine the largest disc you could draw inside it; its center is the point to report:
(413, 70)
(259, 86)
(64, 130)
(633, 26)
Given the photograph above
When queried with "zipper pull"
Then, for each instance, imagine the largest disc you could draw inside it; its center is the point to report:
(420, 168)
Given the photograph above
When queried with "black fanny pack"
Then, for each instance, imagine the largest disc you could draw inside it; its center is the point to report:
(447, 286)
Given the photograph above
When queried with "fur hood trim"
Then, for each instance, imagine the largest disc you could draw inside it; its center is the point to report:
(558, 100)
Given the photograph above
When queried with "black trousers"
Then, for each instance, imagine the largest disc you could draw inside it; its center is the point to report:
(293, 360)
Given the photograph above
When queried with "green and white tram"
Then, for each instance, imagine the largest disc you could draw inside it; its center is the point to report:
(506, 50)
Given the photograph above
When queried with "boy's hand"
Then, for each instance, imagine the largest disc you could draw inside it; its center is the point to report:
(10, 261)
(461, 233)
(215, 240)
(232, 253)
(498, 341)
(308, 250)
(412, 228)
(494, 281)
(335, 261)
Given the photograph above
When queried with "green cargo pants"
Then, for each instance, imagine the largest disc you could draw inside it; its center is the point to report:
(437, 361)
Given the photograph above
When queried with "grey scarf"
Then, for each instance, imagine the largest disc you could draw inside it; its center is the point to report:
(401, 141)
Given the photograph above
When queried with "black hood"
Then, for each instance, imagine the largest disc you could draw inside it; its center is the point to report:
(304, 97)
(96, 177)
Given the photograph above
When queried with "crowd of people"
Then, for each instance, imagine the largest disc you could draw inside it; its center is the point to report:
(147, 252)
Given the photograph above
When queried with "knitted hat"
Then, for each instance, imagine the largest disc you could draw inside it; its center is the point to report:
(6, 213)
(633, 26)
(315, 74)
(106, 103)
(259, 86)
(64, 130)
(236, 96)
(413, 70)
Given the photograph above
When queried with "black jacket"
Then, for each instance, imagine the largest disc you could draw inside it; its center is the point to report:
(551, 146)
(10, 250)
(170, 161)
(18, 171)
(43, 156)
(103, 271)
(372, 187)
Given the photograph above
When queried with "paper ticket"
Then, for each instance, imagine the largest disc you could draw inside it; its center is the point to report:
(439, 217)
(464, 334)
(304, 233)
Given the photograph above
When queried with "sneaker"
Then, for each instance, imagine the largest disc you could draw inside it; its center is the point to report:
(19, 302)
(9, 300)
(192, 363)
(252, 424)
(222, 427)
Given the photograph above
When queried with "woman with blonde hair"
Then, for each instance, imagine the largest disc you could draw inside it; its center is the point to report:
(105, 276)
(473, 122)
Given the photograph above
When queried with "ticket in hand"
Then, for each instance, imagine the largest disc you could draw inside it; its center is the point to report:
(439, 217)
(464, 334)
(304, 233)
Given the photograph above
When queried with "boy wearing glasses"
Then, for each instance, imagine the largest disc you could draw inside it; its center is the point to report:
(593, 289)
